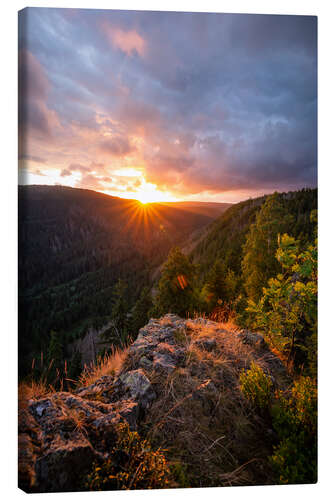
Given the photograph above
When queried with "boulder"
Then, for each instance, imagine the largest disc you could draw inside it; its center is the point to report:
(137, 385)
(61, 467)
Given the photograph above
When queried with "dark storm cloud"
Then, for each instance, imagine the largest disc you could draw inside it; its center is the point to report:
(220, 102)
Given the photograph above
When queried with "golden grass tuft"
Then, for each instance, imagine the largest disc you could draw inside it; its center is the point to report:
(33, 390)
(109, 364)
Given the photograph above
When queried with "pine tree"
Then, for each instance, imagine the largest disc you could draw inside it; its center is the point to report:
(55, 352)
(55, 357)
(215, 286)
(232, 284)
(140, 314)
(259, 262)
(120, 309)
(176, 292)
(75, 366)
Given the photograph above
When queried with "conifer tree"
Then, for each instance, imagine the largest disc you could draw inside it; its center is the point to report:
(232, 284)
(140, 314)
(215, 285)
(176, 292)
(55, 356)
(54, 352)
(259, 262)
(120, 311)
(75, 366)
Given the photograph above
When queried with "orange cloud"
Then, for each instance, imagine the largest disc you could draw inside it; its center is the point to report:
(128, 41)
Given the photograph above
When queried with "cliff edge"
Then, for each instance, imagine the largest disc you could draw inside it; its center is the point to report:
(178, 386)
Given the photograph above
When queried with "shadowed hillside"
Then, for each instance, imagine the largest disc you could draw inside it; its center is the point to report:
(74, 245)
(225, 238)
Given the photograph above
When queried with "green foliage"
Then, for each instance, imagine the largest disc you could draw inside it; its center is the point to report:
(75, 366)
(132, 464)
(259, 262)
(256, 386)
(215, 290)
(225, 239)
(55, 350)
(55, 359)
(295, 421)
(180, 475)
(119, 331)
(240, 305)
(232, 284)
(176, 291)
(140, 313)
(231, 242)
(287, 311)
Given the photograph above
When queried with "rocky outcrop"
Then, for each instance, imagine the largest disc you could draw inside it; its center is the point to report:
(61, 435)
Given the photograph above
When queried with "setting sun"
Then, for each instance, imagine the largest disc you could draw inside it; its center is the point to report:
(148, 193)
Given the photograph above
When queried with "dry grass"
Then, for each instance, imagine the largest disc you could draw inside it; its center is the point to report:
(32, 390)
(73, 419)
(201, 416)
(109, 364)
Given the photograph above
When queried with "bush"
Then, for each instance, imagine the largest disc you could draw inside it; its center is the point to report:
(287, 310)
(256, 386)
(132, 464)
(295, 421)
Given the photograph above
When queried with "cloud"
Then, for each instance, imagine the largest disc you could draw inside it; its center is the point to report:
(35, 116)
(84, 169)
(224, 103)
(117, 146)
(35, 159)
(129, 41)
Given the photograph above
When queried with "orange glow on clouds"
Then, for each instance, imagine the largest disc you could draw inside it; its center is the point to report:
(127, 183)
(145, 193)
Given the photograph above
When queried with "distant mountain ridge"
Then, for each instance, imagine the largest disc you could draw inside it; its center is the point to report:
(75, 244)
(212, 209)
(65, 218)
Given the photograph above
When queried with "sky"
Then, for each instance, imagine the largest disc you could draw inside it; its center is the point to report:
(165, 106)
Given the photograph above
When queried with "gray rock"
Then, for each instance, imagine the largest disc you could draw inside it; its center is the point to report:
(61, 468)
(137, 384)
(129, 411)
(253, 339)
(40, 408)
(146, 363)
(172, 318)
(163, 362)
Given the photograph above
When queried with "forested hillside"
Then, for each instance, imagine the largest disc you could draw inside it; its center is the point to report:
(227, 236)
(258, 265)
(74, 246)
(235, 360)
(257, 269)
